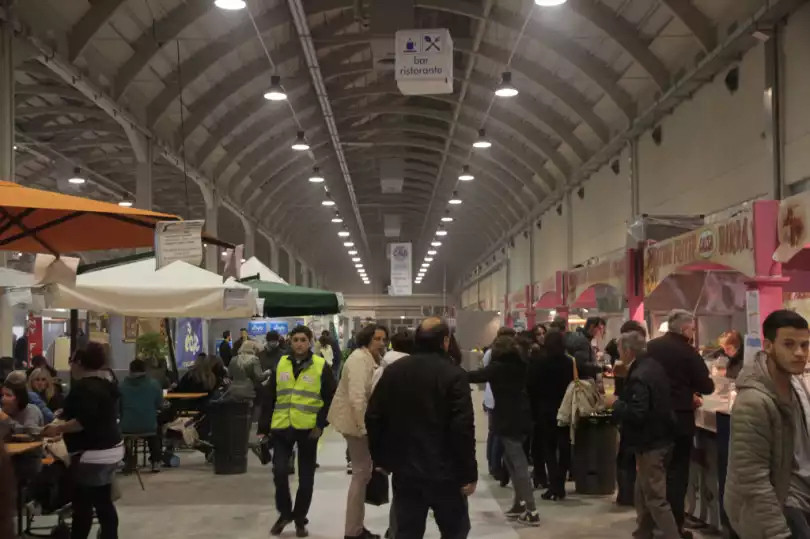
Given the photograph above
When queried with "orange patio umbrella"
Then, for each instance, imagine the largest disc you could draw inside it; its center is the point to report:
(37, 221)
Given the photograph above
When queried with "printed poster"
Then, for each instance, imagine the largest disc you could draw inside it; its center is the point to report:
(401, 271)
(188, 341)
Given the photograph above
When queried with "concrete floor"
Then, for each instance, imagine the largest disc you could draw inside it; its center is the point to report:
(190, 501)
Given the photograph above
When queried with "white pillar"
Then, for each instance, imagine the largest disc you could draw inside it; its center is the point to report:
(211, 227)
(250, 238)
(6, 102)
(274, 260)
(143, 185)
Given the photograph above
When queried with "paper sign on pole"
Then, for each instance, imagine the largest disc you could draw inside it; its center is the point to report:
(178, 240)
(401, 276)
(233, 262)
(423, 61)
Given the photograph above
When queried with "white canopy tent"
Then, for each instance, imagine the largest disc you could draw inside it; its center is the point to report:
(253, 266)
(136, 289)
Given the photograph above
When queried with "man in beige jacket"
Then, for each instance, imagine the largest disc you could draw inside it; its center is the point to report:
(347, 416)
(761, 450)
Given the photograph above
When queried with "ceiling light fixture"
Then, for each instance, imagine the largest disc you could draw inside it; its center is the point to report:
(230, 5)
(436, 243)
(429, 259)
(447, 219)
(344, 234)
(352, 252)
(432, 252)
(328, 200)
(441, 232)
(356, 259)
(348, 244)
(358, 266)
(455, 200)
(466, 175)
(549, 3)
(506, 89)
(276, 92)
(482, 142)
(300, 144)
(77, 178)
(316, 176)
(125, 203)
(337, 218)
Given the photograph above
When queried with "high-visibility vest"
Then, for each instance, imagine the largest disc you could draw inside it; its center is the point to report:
(298, 400)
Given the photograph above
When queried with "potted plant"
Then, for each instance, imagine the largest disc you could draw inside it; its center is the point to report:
(153, 349)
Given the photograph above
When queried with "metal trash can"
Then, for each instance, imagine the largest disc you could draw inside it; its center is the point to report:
(230, 430)
(595, 449)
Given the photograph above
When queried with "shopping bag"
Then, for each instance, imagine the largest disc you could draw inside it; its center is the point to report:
(377, 489)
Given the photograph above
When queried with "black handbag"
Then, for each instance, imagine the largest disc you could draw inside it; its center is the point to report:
(377, 489)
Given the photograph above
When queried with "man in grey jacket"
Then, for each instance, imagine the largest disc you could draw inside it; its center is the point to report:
(761, 450)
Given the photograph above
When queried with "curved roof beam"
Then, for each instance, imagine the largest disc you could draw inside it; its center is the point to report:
(58, 111)
(626, 35)
(88, 26)
(517, 192)
(37, 90)
(699, 24)
(536, 168)
(154, 37)
(536, 140)
(198, 63)
(495, 155)
(591, 66)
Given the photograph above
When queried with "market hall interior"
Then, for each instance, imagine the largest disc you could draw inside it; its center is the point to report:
(554, 159)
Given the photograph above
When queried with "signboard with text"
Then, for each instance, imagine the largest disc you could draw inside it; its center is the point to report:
(178, 240)
(34, 336)
(608, 270)
(401, 272)
(423, 61)
(728, 243)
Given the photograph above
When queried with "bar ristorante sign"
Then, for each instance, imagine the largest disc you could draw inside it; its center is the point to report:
(728, 243)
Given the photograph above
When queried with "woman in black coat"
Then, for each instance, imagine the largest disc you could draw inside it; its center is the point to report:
(548, 379)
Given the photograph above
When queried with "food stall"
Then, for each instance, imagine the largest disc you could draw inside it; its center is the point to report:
(517, 304)
(547, 300)
(599, 288)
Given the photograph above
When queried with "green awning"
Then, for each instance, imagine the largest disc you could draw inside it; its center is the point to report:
(287, 300)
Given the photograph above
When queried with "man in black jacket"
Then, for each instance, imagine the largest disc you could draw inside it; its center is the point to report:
(225, 351)
(645, 412)
(688, 377)
(421, 429)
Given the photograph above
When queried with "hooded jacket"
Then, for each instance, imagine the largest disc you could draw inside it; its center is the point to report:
(760, 456)
(141, 399)
(246, 373)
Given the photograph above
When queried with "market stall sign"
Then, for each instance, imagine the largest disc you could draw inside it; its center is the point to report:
(423, 61)
(610, 270)
(728, 243)
(792, 226)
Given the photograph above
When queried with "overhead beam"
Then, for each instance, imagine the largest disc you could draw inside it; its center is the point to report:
(88, 26)
(699, 24)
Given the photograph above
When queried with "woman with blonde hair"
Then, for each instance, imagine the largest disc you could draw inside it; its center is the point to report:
(43, 384)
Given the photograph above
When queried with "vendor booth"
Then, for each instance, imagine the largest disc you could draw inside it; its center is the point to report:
(547, 300)
(599, 289)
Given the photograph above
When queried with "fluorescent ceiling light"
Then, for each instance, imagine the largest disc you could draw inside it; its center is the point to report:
(447, 219)
(506, 89)
(466, 175)
(316, 176)
(300, 144)
(482, 142)
(230, 5)
(125, 203)
(276, 92)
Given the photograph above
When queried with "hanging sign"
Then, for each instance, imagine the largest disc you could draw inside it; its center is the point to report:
(401, 273)
(423, 61)
(188, 341)
(609, 270)
(34, 336)
(729, 243)
(178, 240)
(792, 226)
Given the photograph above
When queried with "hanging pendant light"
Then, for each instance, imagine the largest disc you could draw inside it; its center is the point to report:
(506, 89)
(77, 178)
(549, 3)
(125, 204)
(275, 92)
(447, 218)
(337, 218)
(454, 200)
(441, 232)
(344, 234)
(328, 200)
(482, 142)
(230, 5)
(436, 243)
(300, 144)
(316, 176)
(466, 175)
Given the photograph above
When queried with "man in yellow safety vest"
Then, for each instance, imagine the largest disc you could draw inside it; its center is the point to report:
(294, 411)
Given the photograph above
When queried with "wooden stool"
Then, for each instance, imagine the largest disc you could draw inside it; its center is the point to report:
(133, 441)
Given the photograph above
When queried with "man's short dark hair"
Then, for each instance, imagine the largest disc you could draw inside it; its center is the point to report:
(272, 335)
(300, 329)
(559, 324)
(782, 319)
(92, 358)
(506, 332)
(366, 334)
(242, 329)
(139, 365)
(226, 333)
(594, 321)
(402, 341)
(430, 339)
(633, 325)
(325, 333)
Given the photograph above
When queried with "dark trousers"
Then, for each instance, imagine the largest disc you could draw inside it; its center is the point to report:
(413, 500)
(85, 500)
(678, 467)
(798, 522)
(283, 444)
(625, 473)
(557, 443)
(155, 444)
(539, 456)
(494, 451)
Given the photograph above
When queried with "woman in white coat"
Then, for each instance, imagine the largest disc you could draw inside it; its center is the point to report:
(347, 416)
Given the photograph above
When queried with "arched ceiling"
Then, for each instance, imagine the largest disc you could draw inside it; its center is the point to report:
(193, 76)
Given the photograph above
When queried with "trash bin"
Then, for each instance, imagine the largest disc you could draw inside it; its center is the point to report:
(230, 429)
(595, 449)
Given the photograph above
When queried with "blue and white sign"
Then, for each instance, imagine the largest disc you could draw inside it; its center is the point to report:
(401, 272)
(281, 327)
(423, 61)
(188, 341)
(258, 328)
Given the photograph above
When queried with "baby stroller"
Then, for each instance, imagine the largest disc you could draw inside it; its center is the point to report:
(188, 431)
(49, 495)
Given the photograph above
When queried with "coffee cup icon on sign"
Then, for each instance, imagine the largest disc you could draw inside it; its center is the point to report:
(410, 46)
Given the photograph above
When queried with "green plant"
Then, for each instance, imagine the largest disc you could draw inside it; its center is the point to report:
(152, 348)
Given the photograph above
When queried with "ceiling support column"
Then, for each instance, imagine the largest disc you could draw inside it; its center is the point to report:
(250, 239)
(568, 208)
(143, 185)
(274, 257)
(211, 227)
(6, 98)
(293, 276)
(773, 109)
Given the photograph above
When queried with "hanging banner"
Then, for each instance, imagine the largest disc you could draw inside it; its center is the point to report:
(178, 240)
(401, 274)
(423, 61)
(792, 226)
(188, 341)
(728, 243)
(608, 270)
(34, 336)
